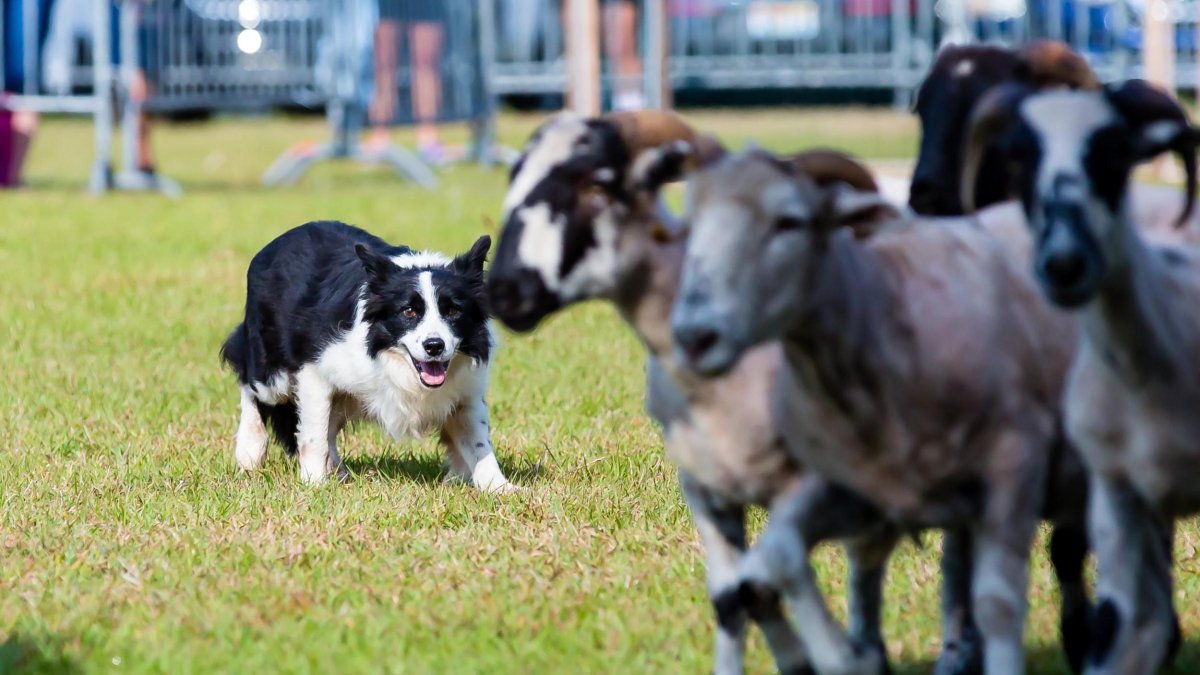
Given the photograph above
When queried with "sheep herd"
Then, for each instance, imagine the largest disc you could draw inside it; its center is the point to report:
(1019, 343)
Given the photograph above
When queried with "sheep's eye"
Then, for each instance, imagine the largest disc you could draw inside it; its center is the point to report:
(452, 312)
(788, 223)
(409, 312)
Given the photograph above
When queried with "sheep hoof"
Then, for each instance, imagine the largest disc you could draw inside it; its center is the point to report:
(960, 658)
(1075, 638)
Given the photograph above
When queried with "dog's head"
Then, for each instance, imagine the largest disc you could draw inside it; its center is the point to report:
(427, 309)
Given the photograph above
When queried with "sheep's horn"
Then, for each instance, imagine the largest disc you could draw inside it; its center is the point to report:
(643, 129)
(1053, 63)
(827, 167)
(1142, 104)
(989, 117)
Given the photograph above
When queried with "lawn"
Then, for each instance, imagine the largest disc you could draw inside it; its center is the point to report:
(129, 542)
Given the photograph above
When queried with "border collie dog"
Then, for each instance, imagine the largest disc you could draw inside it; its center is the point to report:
(342, 326)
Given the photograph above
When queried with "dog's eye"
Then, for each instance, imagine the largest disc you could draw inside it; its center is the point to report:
(409, 313)
(453, 312)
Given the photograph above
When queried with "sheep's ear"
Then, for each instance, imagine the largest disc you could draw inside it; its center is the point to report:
(379, 267)
(863, 212)
(670, 162)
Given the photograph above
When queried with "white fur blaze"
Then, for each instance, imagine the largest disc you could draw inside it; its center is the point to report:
(251, 448)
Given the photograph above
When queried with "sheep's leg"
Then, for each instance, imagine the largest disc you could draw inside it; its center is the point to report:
(1068, 550)
(1003, 537)
(465, 436)
(722, 528)
(810, 512)
(251, 449)
(314, 398)
(962, 651)
(868, 556)
(1132, 628)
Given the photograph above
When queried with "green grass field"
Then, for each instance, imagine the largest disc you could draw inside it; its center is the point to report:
(129, 542)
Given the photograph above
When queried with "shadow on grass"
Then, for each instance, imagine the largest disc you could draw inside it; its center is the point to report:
(1049, 660)
(29, 654)
(431, 469)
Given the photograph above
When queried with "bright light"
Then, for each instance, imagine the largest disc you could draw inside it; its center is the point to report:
(249, 13)
(249, 41)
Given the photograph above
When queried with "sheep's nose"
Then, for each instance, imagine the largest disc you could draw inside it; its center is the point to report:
(696, 340)
(434, 346)
(924, 196)
(1065, 267)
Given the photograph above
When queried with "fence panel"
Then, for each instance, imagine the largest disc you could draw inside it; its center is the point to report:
(732, 44)
(55, 57)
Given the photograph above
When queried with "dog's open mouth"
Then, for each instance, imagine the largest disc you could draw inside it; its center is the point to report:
(432, 373)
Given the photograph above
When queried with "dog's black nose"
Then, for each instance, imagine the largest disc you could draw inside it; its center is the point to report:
(434, 346)
(1064, 268)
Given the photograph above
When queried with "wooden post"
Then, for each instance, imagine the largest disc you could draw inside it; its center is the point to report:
(1158, 52)
(1158, 57)
(582, 36)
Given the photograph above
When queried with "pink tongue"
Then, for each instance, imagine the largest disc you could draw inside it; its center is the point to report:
(432, 373)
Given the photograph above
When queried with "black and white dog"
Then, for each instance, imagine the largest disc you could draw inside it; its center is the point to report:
(341, 326)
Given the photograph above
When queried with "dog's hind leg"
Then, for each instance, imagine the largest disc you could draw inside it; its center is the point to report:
(337, 422)
(469, 448)
(251, 449)
(314, 397)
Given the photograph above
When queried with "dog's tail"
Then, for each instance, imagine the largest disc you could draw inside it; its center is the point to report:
(284, 420)
(233, 353)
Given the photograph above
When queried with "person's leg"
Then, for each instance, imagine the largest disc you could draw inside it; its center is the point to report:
(620, 46)
(383, 106)
(425, 39)
(139, 91)
(24, 125)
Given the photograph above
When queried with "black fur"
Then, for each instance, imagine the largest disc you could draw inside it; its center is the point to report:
(519, 296)
(1106, 623)
(302, 292)
(944, 103)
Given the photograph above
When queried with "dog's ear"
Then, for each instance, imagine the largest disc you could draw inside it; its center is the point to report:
(379, 267)
(470, 264)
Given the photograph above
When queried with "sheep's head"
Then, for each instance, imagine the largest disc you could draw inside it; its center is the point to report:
(757, 222)
(957, 80)
(577, 183)
(1071, 154)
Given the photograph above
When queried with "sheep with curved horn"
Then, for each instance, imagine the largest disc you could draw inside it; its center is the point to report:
(1135, 385)
(957, 81)
(924, 371)
(583, 221)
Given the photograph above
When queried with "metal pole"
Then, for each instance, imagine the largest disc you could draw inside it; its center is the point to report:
(655, 76)
(130, 109)
(484, 129)
(102, 112)
(901, 54)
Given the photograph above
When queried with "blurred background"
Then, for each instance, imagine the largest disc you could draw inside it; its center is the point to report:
(369, 66)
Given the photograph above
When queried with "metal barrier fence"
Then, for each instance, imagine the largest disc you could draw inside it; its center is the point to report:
(400, 62)
(144, 57)
(54, 60)
(733, 44)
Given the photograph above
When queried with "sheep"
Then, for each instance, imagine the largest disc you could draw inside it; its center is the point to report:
(582, 221)
(959, 77)
(924, 370)
(1134, 387)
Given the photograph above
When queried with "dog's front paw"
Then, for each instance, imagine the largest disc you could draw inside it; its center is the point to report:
(504, 488)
